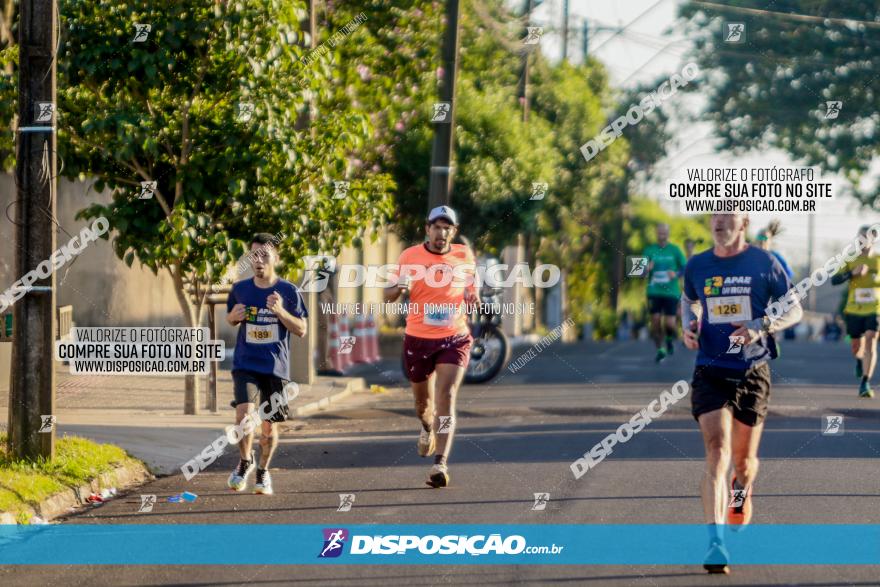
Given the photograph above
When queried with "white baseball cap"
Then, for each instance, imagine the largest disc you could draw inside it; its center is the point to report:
(443, 212)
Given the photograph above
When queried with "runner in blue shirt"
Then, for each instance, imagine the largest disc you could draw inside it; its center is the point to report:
(268, 309)
(764, 240)
(726, 292)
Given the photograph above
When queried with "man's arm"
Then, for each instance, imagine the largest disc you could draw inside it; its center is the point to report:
(691, 310)
(294, 324)
(691, 313)
(298, 326)
(752, 329)
(789, 318)
(394, 291)
(841, 277)
(780, 289)
(234, 311)
(650, 266)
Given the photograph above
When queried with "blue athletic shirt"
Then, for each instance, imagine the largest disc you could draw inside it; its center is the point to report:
(785, 267)
(263, 343)
(733, 289)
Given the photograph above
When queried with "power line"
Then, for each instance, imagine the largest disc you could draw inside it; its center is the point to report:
(629, 24)
(789, 15)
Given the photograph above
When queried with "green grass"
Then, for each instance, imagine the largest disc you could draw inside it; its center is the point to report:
(77, 461)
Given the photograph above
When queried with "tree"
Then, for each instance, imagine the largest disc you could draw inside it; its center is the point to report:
(8, 81)
(570, 223)
(497, 156)
(386, 69)
(774, 86)
(206, 108)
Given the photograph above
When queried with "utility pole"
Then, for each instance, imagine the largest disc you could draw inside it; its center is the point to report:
(585, 40)
(619, 237)
(524, 88)
(302, 350)
(522, 248)
(811, 238)
(440, 190)
(565, 13)
(33, 380)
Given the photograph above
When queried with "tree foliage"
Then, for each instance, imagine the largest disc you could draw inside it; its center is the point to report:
(773, 88)
(174, 109)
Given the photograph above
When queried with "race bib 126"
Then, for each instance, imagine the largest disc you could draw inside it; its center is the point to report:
(726, 309)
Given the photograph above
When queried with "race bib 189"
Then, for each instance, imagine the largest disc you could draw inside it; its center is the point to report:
(865, 295)
(261, 333)
(725, 309)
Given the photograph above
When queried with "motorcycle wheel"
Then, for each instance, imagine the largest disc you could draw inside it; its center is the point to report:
(489, 354)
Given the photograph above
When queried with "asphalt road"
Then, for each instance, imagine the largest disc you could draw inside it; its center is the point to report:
(517, 436)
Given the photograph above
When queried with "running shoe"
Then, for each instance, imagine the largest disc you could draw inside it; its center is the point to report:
(717, 559)
(865, 389)
(859, 372)
(238, 479)
(264, 482)
(670, 347)
(661, 355)
(739, 510)
(439, 476)
(427, 442)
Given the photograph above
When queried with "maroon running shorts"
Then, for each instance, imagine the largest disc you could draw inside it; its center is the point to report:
(422, 355)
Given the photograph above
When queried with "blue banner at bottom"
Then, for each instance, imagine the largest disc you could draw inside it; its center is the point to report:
(621, 544)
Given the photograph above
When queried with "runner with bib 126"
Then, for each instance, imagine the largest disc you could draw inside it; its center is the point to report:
(723, 307)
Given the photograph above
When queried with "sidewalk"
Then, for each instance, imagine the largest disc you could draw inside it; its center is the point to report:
(144, 415)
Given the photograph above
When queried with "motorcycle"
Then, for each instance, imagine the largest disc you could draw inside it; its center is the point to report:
(490, 351)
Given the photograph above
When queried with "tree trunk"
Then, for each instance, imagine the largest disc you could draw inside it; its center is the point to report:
(192, 315)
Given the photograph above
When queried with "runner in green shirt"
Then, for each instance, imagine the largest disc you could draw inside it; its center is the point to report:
(665, 267)
(862, 308)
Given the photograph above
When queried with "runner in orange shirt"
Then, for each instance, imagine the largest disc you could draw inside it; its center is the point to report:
(439, 276)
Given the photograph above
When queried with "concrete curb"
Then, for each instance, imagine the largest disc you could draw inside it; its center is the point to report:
(136, 474)
(351, 385)
(122, 477)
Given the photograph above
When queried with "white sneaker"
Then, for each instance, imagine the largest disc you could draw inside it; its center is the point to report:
(427, 442)
(438, 476)
(239, 477)
(264, 483)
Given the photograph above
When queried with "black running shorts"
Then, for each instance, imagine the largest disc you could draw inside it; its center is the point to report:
(257, 388)
(857, 326)
(663, 305)
(746, 392)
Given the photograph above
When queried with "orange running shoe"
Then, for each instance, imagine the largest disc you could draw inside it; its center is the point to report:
(739, 510)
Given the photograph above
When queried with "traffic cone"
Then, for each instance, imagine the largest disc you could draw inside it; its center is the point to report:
(343, 332)
(372, 340)
(333, 356)
(359, 352)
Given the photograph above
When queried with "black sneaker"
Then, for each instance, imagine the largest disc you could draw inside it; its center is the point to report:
(264, 482)
(717, 559)
(670, 348)
(239, 477)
